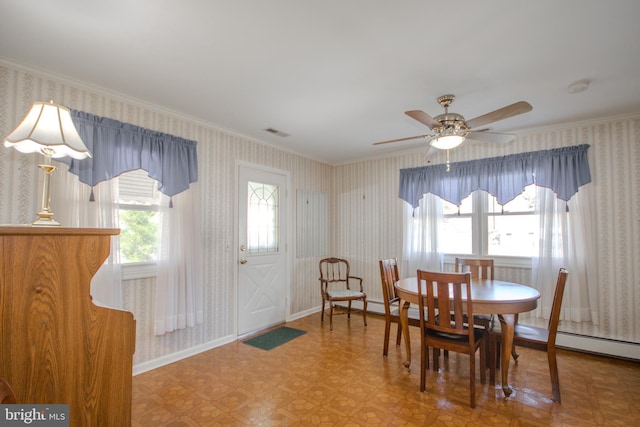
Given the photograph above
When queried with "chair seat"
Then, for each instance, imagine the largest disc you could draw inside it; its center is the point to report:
(345, 293)
(454, 338)
(484, 320)
(525, 332)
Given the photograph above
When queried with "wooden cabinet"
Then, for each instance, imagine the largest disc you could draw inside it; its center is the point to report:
(56, 346)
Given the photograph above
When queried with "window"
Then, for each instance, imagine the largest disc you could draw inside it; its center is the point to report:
(139, 217)
(483, 227)
(456, 229)
(511, 228)
(262, 218)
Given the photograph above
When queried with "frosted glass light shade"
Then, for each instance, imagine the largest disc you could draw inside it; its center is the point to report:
(48, 127)
(447, 142)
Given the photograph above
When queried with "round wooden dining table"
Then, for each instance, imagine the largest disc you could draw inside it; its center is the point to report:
(505, 299)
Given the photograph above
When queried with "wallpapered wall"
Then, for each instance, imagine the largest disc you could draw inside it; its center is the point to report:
(369, 215)
(365, 216)
(217, 153)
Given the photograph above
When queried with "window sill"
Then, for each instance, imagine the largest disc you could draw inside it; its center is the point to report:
(500, 261)
(139, 270)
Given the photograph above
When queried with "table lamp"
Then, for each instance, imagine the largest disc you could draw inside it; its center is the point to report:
(48, 129)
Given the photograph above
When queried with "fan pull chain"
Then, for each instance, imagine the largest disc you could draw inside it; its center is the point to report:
(448, 165)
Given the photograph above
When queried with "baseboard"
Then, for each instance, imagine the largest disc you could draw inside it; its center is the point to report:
(373, 306)
(599, 346)
(179, 355)
(305, 313)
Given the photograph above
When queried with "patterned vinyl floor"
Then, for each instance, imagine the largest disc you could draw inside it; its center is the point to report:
(340, 378)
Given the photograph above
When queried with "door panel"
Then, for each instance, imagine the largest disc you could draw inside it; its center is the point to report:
(262, 250)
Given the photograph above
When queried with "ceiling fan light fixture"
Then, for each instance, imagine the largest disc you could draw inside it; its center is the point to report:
(449, 130)
(447, 142)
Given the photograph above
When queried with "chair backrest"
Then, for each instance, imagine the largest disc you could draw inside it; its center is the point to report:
(479, 268)
(554, 319)
(7, 397)
(445, 293)
(334, 270)
(388, 276)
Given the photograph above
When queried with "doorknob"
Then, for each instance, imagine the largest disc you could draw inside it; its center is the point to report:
(243, 261)
(243, 248)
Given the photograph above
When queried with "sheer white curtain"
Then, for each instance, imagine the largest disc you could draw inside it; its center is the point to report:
(72, 208)
(179, 290)
(566, 231)
(421, 236)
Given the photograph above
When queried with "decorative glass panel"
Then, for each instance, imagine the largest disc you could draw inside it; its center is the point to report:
(263, 218)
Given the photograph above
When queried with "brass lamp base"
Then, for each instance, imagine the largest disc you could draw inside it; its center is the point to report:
(45, 215)
(45, 220)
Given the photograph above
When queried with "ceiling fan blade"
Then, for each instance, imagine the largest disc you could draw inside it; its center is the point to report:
(423, 118)
(494, 137)
(500, 114)
(401, 139)
(431, 152)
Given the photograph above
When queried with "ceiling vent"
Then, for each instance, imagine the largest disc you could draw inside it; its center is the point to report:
(276, 132)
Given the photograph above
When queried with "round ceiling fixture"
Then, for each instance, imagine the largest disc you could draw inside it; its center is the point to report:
(579, 86)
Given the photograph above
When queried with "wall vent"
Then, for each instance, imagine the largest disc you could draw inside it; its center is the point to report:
(276, 132)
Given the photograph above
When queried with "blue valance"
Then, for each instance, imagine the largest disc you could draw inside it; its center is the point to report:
(563, 170)
(119, 147)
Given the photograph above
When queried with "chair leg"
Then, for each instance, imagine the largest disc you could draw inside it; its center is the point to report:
(330, 316)
(322, 312)
(514, 354)
(387, 330)
(553, 371)
(483, 361)
(492, 360)
(364, 312)
(424, 365)
(472, 380)
(349, 311)
(399, 335)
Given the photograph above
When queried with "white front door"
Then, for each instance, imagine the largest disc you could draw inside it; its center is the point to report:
(262, 219)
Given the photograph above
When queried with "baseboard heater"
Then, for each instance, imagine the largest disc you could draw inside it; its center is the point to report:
(565, 340)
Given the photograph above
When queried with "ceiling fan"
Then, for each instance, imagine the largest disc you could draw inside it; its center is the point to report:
(449, 130)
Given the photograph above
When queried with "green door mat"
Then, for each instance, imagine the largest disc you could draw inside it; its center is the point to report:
(273, 339)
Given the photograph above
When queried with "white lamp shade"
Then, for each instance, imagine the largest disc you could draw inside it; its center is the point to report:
(48, 126)
(447, 142)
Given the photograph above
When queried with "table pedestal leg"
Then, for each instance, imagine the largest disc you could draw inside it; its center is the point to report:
(507, 324)
(404, 322)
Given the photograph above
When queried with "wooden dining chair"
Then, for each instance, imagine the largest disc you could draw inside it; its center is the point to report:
(388, 276)
(335, 286)
(543, 339)
(479, 269)
(443, 292)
